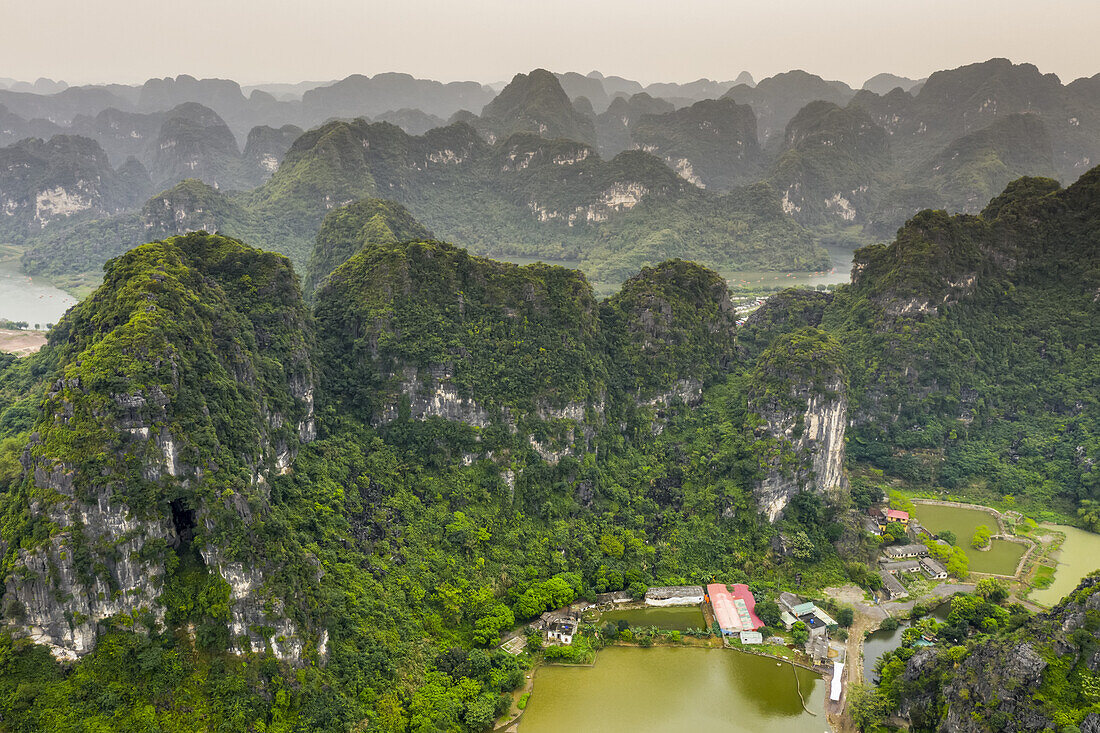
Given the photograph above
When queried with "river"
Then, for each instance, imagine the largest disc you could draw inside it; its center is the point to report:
(840, 272)
(1079, 556)
(674, 689)
(30, 299)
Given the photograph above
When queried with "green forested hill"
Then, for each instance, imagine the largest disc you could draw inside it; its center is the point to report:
(712, 142)
(536, 103)
(75, 257)
(526, 195)
(483, 448)
(1005, 671)
(973, 343)
(348, 229)
(832, 164)
(324, 521)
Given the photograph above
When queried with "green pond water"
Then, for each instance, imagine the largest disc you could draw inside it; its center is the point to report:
(673, 618)
(1079, 556)
(674, 689)
(1004, 556)
(880, 642)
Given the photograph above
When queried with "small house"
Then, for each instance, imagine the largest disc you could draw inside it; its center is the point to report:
(903, 552)
(787, 618)
(561, 629)
(901, 566)
(932, 569)
(896, 515)
(891, 587)
(789, 601)
(751, 637)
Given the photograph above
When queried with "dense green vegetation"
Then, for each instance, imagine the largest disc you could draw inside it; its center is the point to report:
(994, 667)
(972, 343)
(525, 195)
(411, 544)
(715, 137)
(535, 103)
(348, 229)
(77, 256)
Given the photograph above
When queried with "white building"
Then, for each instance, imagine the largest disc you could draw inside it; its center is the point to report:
(675, 595)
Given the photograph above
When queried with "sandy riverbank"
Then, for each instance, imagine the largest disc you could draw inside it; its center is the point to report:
(21, 343)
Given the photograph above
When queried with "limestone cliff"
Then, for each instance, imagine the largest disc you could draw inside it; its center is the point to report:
(800, 392)
(1040, 676)
(183, 384)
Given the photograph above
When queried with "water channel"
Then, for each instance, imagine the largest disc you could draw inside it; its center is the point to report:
(674, 689)
(880, 642)
(1079, 556)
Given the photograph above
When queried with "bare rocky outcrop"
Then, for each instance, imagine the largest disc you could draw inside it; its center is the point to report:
(812, 440)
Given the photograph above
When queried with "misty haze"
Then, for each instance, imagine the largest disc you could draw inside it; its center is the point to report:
(576, 367)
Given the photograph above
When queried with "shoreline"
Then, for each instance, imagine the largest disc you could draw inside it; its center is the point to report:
(513, 719)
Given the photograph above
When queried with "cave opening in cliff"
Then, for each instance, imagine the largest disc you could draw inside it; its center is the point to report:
(183, 521)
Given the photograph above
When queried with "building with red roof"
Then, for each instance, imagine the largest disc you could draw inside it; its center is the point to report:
(896, 515)
(734, 610)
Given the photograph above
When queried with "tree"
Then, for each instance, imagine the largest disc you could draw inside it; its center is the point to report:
(981, 537)
(948, 536)
(800, 634)
(992, 590)
(895, 533)
(768, 611)
(845, 616)
(866, 705)
(1089, 512)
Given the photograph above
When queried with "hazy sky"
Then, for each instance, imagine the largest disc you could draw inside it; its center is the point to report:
(84, 41)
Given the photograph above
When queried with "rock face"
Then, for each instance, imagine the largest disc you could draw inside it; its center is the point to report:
(800, 393)
(65, 178)
(162, 396)
(711, 144)
(1025, 680)
(816, 436)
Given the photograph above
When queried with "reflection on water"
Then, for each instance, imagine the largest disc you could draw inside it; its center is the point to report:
(673, 689)
(675, 618)
(880, 642)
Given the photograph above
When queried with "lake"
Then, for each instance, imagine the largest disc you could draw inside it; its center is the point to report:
(1004, 556)
(674, 689)
(1079, 556)
(672, 618)
(30, 299)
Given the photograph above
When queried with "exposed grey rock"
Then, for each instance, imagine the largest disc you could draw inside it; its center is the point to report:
(819, 448)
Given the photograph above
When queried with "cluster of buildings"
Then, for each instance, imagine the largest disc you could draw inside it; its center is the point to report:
(879, 517)
(733, 607)
(899, 560)
(793, 609)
